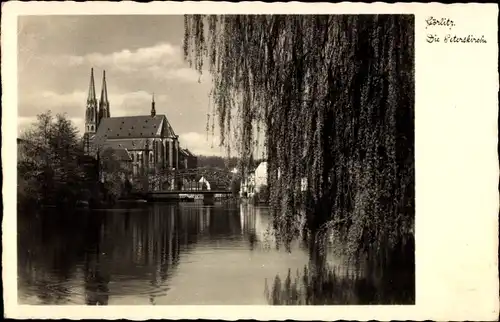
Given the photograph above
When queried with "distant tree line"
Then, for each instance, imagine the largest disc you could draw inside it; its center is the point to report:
(214, 161)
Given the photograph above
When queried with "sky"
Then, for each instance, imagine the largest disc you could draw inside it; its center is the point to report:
(142, 55)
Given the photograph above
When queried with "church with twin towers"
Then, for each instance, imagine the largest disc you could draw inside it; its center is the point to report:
(142, 141)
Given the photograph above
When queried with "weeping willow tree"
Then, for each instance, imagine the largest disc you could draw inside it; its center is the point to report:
(334, 97)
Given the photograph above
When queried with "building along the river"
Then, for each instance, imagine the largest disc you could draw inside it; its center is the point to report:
(256, 180)
(144, 141)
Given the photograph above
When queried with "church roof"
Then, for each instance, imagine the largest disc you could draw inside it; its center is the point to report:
(134, 127)
(188, 153)
(129, 144)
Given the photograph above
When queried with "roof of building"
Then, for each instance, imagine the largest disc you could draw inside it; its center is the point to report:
(128, 127)
(189, 153)
(129, 144)
(262, 166)
(186, 153)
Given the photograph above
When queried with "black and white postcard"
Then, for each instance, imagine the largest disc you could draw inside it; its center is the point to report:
(208, 160)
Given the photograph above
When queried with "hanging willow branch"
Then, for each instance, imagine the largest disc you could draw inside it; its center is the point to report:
(334, 98)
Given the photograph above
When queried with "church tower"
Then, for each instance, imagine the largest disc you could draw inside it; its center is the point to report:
(153, 110)
(91, 112)
(103, 102)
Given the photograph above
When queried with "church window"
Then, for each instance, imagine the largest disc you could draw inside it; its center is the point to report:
(156, 151)
(92, 128)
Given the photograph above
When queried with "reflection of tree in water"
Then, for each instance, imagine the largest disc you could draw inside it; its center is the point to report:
(252, 239)
(96, 282)
(139, 248)
(50, 243)
(96, 279)
(141, 245)
(255, 225)
(368, 282)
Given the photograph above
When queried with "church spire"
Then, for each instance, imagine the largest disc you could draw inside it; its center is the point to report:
(103, 102)
(91, 97)
(91, 108)
(153, 110)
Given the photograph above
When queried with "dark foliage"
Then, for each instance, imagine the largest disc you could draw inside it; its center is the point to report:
(334, 96)
(53, 169)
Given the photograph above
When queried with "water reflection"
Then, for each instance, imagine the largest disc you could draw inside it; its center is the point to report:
(343, 281)
(174, 254)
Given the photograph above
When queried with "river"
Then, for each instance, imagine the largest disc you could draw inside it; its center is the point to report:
(177, 254)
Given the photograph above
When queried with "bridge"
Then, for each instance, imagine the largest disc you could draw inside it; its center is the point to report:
(190, 192)
(191, 179)
(185, 184)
